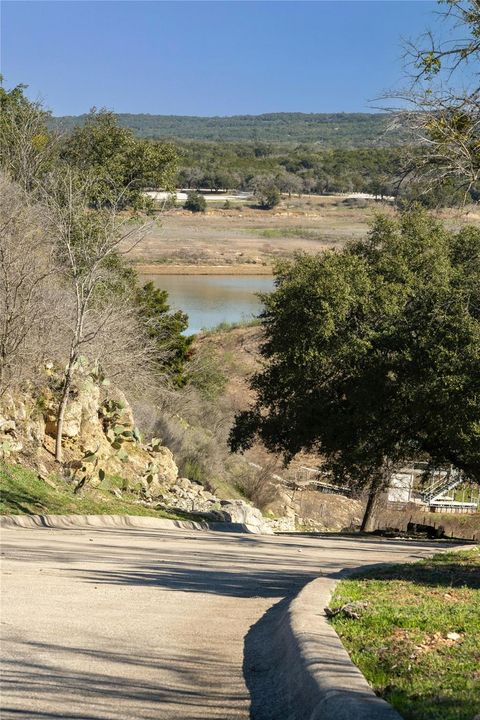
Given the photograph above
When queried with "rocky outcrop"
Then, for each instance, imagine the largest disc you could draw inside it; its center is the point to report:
(100, 439)
(240, 512)
(188, 496)
(191, 497)
(99, 436)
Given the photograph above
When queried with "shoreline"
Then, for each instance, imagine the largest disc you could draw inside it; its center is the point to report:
(166, 269)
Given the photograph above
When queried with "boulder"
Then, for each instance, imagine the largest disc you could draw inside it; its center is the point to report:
(167, 469)
(72, 420)
(241, 513)
(7, 426)
(184, 483)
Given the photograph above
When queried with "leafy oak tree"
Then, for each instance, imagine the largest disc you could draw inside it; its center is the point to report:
(373, 355)
(266, 192)
(195, 202)
(119, 160)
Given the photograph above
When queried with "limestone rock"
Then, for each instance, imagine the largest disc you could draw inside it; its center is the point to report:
(168, 470)
(99, 420)
(73, 419)
(7, 426)
(283, 524)
(240, 512)
(35, 429)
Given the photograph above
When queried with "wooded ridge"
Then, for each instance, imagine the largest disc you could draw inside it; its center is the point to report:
(329, 129)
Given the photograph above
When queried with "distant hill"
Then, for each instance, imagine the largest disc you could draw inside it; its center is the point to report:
(331, 130)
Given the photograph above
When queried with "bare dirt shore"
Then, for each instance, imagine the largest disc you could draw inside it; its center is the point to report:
(159, 269)
(249, 240)
(112, 624)
(249, 236)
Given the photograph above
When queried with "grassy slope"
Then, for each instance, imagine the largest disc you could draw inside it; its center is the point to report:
(23, 492)
(400, 642)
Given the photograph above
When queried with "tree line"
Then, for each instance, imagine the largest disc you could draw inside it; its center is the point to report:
(324, 129)
(293, 170)
(304, 169)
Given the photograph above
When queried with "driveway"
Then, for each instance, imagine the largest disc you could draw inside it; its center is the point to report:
(149, 624)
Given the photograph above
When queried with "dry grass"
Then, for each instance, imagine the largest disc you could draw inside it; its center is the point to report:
(455, 525)
(167, 269)
(246, 236)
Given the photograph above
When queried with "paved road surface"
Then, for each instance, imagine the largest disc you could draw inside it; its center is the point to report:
(148, 624)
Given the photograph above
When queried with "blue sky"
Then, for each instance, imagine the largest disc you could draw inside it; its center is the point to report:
(208, 58)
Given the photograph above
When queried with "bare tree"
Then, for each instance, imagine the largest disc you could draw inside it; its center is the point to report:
(441, 106)
(433, 55)
(445, 129)
(26, 310)
(86, 243)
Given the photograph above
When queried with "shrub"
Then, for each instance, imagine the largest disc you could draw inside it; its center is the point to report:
(195, 202)
(268, 197)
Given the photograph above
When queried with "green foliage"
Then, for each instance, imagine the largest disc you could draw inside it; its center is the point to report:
(207, 376)
(267, 194)
(400, 642)
(118, 159)
(26, 146)
(293, 168)
(445, 193)
(194, 470)
(166, 328)
(331, 130)
(373, 353)
(195, 202)
(304, 153)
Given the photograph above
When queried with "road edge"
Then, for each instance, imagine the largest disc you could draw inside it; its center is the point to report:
(131, 522)
(71, 522)
(320, 671)
(329, 685)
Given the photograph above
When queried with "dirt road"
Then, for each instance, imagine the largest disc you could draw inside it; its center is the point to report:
(149, 624)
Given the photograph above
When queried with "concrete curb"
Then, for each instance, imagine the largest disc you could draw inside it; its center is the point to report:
(335, 687)
(73, 522)
(320, 674)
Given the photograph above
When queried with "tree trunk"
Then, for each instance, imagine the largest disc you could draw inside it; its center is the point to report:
(61, 412)
(369, 510)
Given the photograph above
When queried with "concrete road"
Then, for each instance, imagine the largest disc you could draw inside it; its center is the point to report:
(149, 624)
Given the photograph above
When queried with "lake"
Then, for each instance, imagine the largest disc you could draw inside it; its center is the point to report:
(210, 300)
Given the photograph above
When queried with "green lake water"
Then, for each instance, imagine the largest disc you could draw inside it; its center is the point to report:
(210, 300)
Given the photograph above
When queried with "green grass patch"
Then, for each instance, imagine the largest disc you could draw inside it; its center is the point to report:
(401, 641)
(289, 232)
(23, 492)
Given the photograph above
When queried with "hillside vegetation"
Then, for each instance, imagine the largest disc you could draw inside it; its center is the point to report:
(23, 491)
(331, 129)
